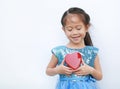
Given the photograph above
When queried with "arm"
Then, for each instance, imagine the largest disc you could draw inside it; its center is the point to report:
(85, 69)
(51, 66)
(96, 72)
(52, 69)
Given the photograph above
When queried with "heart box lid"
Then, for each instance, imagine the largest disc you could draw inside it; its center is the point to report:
(73, 60)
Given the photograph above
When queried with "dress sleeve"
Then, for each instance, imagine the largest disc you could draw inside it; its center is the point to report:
(95, 52)
(57, 52)
(54, 52)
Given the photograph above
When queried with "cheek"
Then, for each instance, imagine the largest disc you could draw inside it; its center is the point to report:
(82, 34)
(67, 33)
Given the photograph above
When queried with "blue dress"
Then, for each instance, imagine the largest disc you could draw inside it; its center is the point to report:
(73, 81)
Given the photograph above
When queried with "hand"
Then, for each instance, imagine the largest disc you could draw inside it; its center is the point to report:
(61, 69)
(84, 69)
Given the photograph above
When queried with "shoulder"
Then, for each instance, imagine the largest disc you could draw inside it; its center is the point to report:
(58, 49)
(92, 48)
(92, 52)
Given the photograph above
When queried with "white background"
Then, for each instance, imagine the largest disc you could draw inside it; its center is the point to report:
(29, 29)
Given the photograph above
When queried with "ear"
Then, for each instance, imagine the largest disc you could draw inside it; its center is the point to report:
(87, 27)
(63, 28)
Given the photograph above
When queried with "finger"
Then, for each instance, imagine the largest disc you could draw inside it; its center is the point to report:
(68, 72)
(76, 70)
(80, 74)
(83, 62)
(63, 61)
(68, 68)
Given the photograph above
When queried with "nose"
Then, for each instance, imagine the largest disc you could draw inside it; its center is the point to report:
(74, 31)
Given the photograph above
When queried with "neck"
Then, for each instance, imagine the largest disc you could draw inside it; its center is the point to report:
(71, 45)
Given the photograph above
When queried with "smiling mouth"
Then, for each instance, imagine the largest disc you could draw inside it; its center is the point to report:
(76, 37)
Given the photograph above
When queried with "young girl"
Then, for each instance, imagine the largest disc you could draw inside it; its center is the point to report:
(76, 22)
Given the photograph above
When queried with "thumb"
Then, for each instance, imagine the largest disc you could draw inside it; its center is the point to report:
(83, 62)
(63, 61)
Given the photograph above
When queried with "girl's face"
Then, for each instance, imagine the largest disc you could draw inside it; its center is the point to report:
(75, 29)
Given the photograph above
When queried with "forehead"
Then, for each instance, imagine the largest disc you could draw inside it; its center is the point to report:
(73, 18)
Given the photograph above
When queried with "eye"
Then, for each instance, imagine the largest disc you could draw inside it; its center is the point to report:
(78, 28)
(68, 28)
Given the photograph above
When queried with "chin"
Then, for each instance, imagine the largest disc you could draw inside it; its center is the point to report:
(76, 43)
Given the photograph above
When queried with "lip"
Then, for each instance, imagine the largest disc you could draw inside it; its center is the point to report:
(76, 38)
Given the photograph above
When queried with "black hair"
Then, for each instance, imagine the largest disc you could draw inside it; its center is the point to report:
(85, 18)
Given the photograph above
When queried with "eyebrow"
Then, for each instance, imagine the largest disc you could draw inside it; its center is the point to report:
(79, 25)
(68, 27)
(75, 26)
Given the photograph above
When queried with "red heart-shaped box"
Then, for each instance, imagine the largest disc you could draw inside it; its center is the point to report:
(73, 60)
